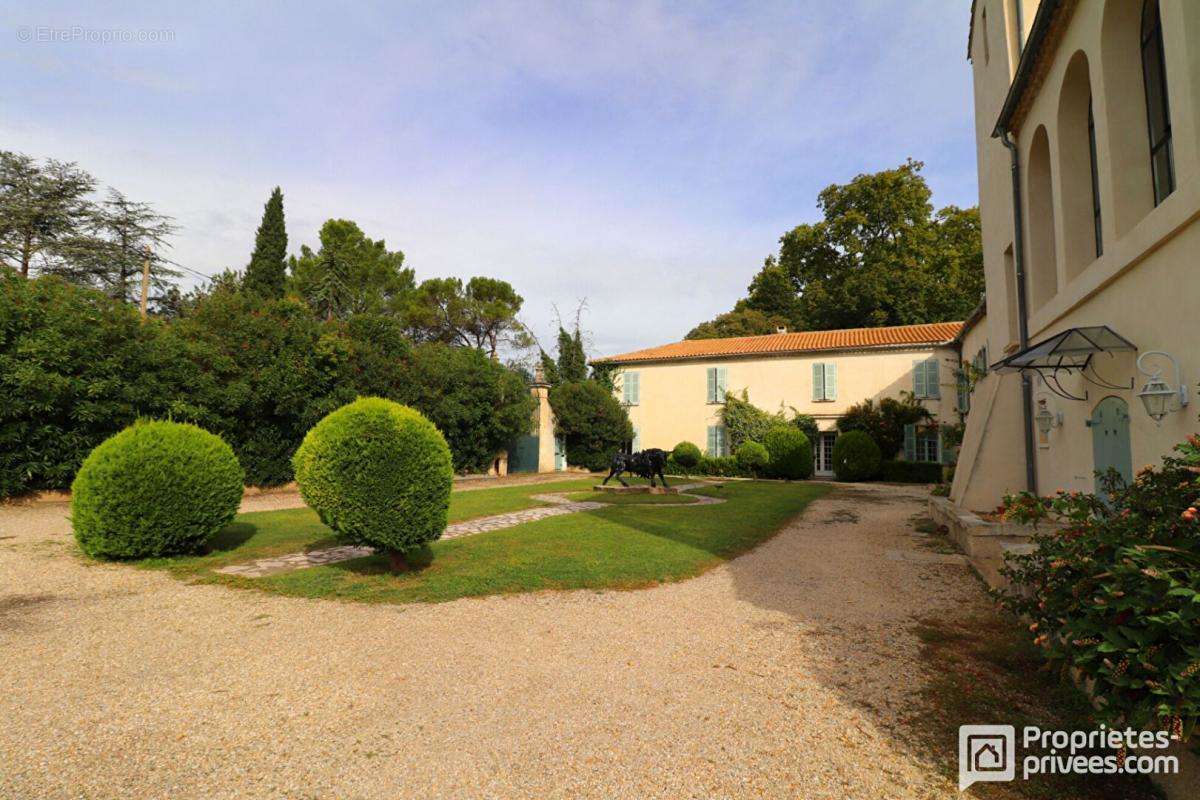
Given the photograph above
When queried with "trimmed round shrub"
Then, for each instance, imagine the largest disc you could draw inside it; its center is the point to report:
(155, 489)
(790, 452)
(379, 474)
(752, 457)
(686, 455)
(856, 457)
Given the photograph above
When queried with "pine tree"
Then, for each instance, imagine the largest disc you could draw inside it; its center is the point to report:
(267, 270)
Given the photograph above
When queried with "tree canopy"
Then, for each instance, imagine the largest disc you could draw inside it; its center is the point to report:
(879, 256)
(350, 273)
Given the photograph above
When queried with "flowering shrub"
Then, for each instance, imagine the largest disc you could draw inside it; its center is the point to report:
(1115, 593)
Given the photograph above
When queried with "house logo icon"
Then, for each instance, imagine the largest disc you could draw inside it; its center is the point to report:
(985, 754)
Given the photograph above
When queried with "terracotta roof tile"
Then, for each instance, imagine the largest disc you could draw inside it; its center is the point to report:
(806, 341)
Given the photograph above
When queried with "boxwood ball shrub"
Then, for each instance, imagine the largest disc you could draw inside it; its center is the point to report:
(686, 455)
(379, 474)
(752, 457)
(856, 457)
(155, 489)
(790, 453)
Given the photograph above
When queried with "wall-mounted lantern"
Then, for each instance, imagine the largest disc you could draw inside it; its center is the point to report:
(1158, 396)
(1046, 419)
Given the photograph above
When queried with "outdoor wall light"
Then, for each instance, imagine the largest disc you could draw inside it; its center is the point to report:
(1046, 419)
(1157, 395)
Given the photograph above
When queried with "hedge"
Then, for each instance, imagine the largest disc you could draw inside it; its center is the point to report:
(155, 489)
(791, 453)
(752, 457)
(856, 457)
(77, 367)
(911, 471)
(378, 473)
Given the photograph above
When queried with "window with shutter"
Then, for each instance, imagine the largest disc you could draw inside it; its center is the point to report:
(632, 388)
(722, 441)
(818, 382)
(831, 381)
(711, 449)
(637, 439)
(722, 384)
(910, 442)
(716, 384)
(925, 379)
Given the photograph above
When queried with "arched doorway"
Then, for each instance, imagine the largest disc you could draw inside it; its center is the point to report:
(1110, 437)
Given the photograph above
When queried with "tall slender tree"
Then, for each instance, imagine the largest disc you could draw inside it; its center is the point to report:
(267, 271)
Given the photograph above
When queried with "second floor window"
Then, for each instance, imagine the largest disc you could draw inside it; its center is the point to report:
(1158, 109)
(926, 382)
(632, 388)
(824, 382)
(717, 382)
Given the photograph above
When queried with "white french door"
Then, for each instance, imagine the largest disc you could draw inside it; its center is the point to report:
(823, 454)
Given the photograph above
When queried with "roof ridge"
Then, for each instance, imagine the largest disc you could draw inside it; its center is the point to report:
(887, 336)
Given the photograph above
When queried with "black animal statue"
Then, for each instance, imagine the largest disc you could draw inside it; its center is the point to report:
(647, 464)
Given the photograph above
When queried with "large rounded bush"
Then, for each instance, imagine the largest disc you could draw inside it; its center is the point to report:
(155, 489)
(790, 453)
(856, 457)
(686, 455)
(378, 473)
(752, 457)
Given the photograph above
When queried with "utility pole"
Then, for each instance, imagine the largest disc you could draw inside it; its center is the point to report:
(145, 279)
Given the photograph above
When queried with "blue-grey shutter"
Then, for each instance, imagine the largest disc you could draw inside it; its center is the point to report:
(933, 384)
(722, 384)
(941, 453)
(637, 439)
(818, 381)
(910, 442)
(722, 441)
(712, 385)
(632, 388)
(712, 440)
(831, 381)
(919, 378)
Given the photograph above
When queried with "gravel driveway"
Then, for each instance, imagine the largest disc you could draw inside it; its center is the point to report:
(785, 673)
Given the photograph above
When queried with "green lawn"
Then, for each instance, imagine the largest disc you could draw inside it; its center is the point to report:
(618, 547)
(623, 499)
(274, 533)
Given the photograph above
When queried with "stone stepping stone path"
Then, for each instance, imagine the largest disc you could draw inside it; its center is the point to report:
(558, 505)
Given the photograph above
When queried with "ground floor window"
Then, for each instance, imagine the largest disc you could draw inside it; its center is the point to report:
(922, 444)
(718, 441)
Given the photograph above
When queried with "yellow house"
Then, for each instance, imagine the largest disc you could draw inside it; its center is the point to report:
(674, 392)
(1087, 116)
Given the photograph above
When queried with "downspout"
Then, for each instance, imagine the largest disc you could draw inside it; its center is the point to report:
(1022, 313)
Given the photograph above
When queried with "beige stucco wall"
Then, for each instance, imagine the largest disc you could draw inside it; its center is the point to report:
(673, 396)
(1145, 285)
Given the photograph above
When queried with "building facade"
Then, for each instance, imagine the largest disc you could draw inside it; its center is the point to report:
(674, 392)
(1087, 120)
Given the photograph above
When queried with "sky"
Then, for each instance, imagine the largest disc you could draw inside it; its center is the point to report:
(644, 157)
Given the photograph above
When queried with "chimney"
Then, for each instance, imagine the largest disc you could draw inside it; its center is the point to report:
(781, 329)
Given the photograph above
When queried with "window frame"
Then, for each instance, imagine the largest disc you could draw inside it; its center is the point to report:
(1097, 215)
(828, 369)
(716, 385)
(637, 388)
(1147, 40)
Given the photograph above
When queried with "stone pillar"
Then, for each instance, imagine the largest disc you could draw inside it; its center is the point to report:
(543, 421)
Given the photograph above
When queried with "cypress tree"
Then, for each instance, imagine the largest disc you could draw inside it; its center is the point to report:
(268, 265)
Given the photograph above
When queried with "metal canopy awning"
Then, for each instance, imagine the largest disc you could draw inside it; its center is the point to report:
(1073, 350)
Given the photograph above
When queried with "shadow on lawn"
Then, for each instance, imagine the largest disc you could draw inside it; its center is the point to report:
(231, 537)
